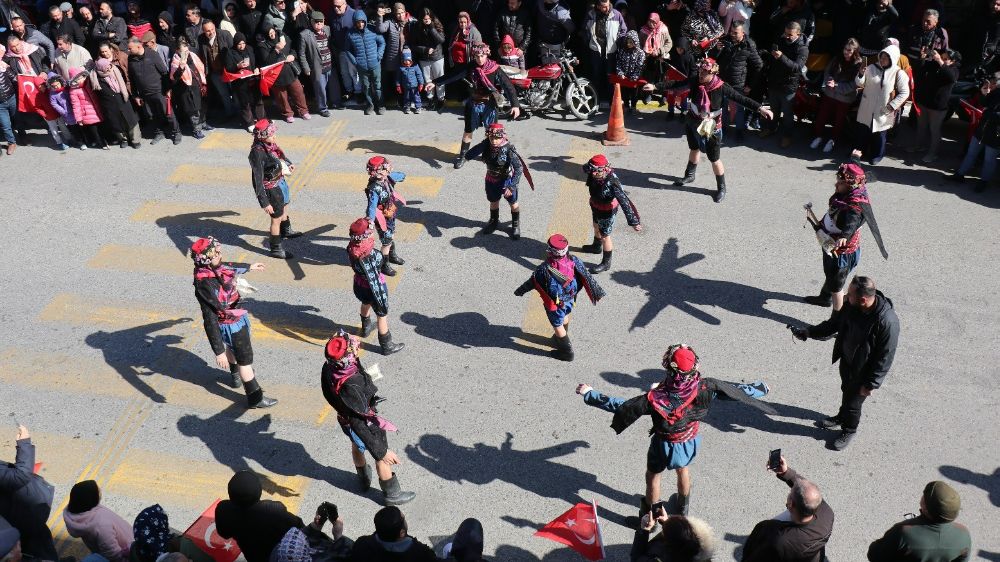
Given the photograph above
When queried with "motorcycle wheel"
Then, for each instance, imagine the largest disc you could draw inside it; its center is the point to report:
(581, 100)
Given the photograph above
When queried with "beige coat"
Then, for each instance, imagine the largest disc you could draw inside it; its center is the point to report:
(876, 98)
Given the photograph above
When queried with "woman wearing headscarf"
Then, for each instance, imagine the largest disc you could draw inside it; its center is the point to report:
(656, 43)
(114, 98)
(152, 534)
(246, 91)
(467, 544)
(187, 73)
(117, 58)
(102, 530)
(466, 35)
(228, 20)
(286, 92)
(257, 525)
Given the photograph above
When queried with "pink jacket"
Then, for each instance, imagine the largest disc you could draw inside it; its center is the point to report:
(85, 108)
(103, 531)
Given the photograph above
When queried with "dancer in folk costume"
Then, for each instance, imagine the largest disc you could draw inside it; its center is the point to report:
(369, 284)
(383, 203)
(606, 196)
(504, 168)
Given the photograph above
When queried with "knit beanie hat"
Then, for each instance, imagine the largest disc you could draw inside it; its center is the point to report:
(244, 488)
(84, 496)
(942, 501)
(407, 54)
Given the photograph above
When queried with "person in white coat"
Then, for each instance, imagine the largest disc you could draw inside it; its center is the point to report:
(885, 88)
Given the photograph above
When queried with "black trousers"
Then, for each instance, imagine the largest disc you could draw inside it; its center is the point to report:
(851, 399)
(162, 122)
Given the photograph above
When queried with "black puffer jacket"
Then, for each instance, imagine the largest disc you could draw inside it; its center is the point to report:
(739, 63)
(876, 333)
(988, 131)
(936, 83)
(517, 24)
(146, 72)
(785, 72)
(425, 38)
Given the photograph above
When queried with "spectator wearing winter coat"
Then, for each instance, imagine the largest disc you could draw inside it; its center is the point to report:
(787, 59)
(138, 25)
(165, 33)
(510, 55)
(116, 106)
(324, 548)
(466, 35)
(341, 22)
(188, 85)
(797, 11)
(467, 543)
(739, 66)
(286, 92)
(936, 77)
(147, 72)
(246, 91)
(654, 37)
(427, 43)
(25, 497)
(985, 139)
(602, 31)
(391, 541)
(59, 100)
(31, 35)
(877, 111)
(257, 525)
(553, 27)
(839, 94)
(318, 61)
(70, 55)
(732, 11)
(86, 19)
(25, 57)
(250, 20)
(875, 27)
(109, 27)
(277, 16)
(365, 50)
(931, 536)
(628, 66)
(59, 24)
(102, 530)
(212, 46)
(409, 83)
(394, 31)
(8, 105)
(86, 111)
(924, 38)
(228, 20)
(515, 20)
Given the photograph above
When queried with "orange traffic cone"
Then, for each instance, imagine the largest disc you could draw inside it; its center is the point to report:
(616, 134)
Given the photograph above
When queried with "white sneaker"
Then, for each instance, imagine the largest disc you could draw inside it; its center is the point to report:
(828, 147)
(815, 143)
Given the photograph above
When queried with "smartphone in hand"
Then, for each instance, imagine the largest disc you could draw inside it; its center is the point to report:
(774, 460)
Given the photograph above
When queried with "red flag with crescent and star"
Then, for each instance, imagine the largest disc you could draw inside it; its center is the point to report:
(578, 528)
(203, 534)
(268, 75)
(31, 100)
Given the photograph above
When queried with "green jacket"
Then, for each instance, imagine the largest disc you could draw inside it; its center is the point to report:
(922, 540)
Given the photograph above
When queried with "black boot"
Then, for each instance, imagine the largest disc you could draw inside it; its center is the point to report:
(515, 225)
(633, 522)
(683, 503)
(688, 174)
(460, 160)
(388, 348)
(592, 248)
(367, 326)
(276, 250)
(286, 229)
(492, 225)
(605, 263)
(255, 396)
(563, 350)
(720, 188)
(823, 299)
(393, 257)
(236, 381)
(364, 477)
(394, 495)
(387, 269)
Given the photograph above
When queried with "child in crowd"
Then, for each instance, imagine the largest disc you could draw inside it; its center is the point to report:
(628, 67)
(511, 55)
(409, 82)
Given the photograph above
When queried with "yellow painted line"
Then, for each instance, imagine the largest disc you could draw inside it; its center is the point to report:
(295, 402)
(197, 174)
(59, 454)
(190, 217)
(570, 217)
(415, 187)
(176, 481)
(241, 140)
(80, 375)
(81, 311)
(169, 261)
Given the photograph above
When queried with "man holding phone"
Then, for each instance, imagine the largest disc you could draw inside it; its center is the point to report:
(800, 533)
(26, 499)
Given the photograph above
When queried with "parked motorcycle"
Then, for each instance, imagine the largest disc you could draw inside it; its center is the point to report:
(554, 86)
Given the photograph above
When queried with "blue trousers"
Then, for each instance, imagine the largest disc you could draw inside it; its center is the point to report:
(411, 96)
(326, 86)
(972, 154)
(8, 112)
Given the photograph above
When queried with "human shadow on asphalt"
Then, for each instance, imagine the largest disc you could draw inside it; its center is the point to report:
(533, 471)
(653, 180)
(559, 164)
(666, 286)
(472, 330)
(436, 221)
(299, 322)
(988, 482)
(526, 252)
(139, 352)
(234, 443)
(430, 155)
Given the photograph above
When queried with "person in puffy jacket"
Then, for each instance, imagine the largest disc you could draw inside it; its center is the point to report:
(886, 89)
(86, 111)
(409, 83)
(102, 530)
(427, 42)
(365, 50)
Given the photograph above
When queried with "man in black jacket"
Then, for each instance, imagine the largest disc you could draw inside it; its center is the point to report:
(800, 533)
(59, 24)
(26, 500)
(787, 59)
(514, 19)
(249, 21)
(390, 542)
(867, 332)
(109, 27)
(739, 66)
(147, 72)
(257, 525)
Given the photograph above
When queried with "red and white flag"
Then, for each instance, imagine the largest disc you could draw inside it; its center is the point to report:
(579, 528)
(228, 77)
(674, 74)
(268, 74)
(30, 99)
(203, 534)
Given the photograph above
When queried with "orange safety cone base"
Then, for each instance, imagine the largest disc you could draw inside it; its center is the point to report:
(616, 134)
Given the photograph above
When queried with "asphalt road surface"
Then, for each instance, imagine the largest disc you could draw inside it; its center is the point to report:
(104, 356)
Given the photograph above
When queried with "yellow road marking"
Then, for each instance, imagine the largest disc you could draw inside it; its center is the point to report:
(239, 140)
(60, 455)
(190, 217)
(424, 150)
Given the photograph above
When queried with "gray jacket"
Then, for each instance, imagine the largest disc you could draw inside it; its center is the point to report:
(20, 487)
(393, 32)
(39, 39)
(114, 25)
(309, 51)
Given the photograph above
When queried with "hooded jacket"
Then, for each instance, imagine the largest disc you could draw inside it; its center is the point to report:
(364, 48)
(395, 35)
(876, 333)
(517, 24)
(26, 501)
(257, 525)
(878, 104)
(103, 531)
(86, 110)
(60, 100)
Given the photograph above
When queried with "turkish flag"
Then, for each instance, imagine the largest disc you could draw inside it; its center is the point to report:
(30, 99)
(674, 74)
(203, 534)
(579, 529)
(268, 74)
(38, 467)
(228, 77)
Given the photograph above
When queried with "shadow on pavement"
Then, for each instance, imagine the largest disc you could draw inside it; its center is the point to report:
(431, 155)
(526, 252)
(988, 482)
(298, 322)
(472, 330)
(665, 286)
